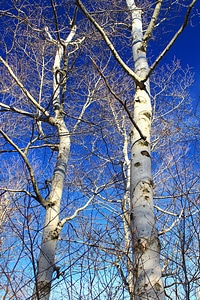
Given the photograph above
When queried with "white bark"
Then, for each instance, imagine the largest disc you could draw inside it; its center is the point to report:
(125, 216)
(52, 227)
(146, 248)
(46, 261)
(126, 201)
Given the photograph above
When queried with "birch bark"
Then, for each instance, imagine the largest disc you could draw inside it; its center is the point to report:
(53, 226)
(46, 260)
(146, 248)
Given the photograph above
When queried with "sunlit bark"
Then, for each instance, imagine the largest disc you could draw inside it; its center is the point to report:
(46, 260)
(146, 247)
(52, 226)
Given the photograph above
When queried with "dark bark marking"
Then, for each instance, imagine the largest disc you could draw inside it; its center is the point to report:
(148, 115)
(145, 153)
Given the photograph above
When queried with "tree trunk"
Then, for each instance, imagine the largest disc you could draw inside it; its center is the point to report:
(146, 247)
(46, 261)
(52, 227)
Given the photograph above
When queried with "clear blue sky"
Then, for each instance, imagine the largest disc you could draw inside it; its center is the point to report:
(187, 48)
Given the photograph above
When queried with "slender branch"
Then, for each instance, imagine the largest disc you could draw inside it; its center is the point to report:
(18, 191)
(171, 110)
(177, 195)
(22, 18)
(95, 192)
(165, 211)
(126, 68)
(38, 196)
(168, 47)
(23, 89)
(122, 274)
(87, 103)
(16, 110)
(120, 101)
(173, 224)
(63, 221)
(53, 147)
(72, 22)
(151, 25)
(56, 20)
(79, 119)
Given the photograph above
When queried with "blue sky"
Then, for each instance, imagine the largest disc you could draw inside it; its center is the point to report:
(187, 49)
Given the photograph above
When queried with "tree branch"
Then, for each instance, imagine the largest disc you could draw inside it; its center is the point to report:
(173, 224)
(151, 25)
(18, 191)
(120, 101)
(168, 47)
(38, 196)
(16, 110)
(23, 89)
(63, 221)
(126, 68)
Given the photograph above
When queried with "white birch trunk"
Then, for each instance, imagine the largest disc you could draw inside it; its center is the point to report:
(52, 226)
(46, 260)
(146, 247)
(125, 209)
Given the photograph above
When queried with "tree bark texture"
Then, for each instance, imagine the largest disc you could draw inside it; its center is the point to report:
(146, 247)
(52, 226)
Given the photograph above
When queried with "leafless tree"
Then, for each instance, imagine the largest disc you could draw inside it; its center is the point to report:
(77, 117)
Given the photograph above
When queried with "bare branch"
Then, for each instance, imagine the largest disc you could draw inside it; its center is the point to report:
(120, 101)
(109, 44)
(173, 224)
(16, 110)
(151, 26)
(38, 197)
(168, 47)
(23, 89)
(18, 191)
(56, 20)
(165, 211)
(63, 221)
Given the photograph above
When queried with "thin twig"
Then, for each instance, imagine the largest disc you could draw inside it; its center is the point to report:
(170, 44)
(116, 55)
(119, 99)
(38, 197)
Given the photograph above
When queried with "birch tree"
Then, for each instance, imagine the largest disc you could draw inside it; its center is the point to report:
(35, 108)
(52, 226)
(147, 270)
(147, 282)
(74, 96)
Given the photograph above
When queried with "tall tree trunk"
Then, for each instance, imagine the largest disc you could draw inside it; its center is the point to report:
(146, 247)
(46, 260)
(52, 227)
